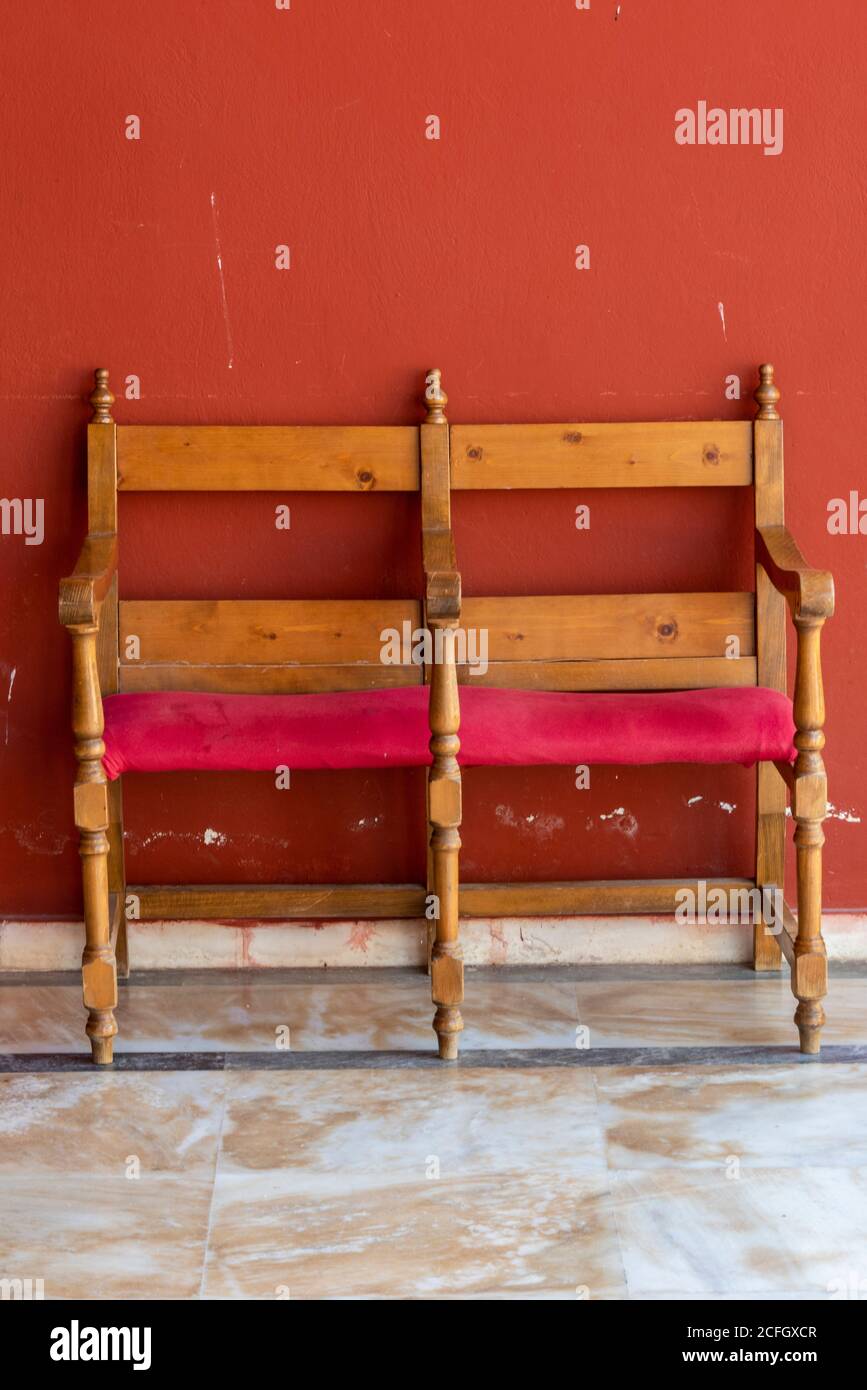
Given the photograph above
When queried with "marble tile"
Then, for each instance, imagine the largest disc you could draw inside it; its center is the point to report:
(691, 1233)
(105, 1237)
(249, 1012)
(187, 945)
(41, 945)
(96, 1123)
(753, 1010)
(42, 1018)
(411, 1186)
(335, 1131)
(533, 1184)
(493, 1236)
(333, 944)
(392, 1011)
(486, 941)
(785, 1117)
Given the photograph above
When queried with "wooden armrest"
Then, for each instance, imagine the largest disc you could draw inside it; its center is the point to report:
(442, 580)
(808, 592)
(82, 592)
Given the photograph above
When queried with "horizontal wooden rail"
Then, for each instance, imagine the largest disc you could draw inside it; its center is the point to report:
(604, 897)
(220, 902)
(686, 673)
(713, 453)
(244, 902)
(267, 680)
(267, 458)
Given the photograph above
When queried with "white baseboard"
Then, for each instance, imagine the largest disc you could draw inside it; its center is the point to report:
(39, 945)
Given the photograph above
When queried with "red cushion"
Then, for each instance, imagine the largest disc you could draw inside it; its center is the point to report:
(170, 731)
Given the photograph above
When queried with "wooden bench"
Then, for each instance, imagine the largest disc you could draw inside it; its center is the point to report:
(243, 647)
(663, 643)
(328, 653)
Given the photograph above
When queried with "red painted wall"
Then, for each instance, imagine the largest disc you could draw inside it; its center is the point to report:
(306, 127)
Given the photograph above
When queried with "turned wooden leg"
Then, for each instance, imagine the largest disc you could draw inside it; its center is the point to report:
(98, 970)
(99, 974)
(810, 967)
(447, 970)
(810, 800)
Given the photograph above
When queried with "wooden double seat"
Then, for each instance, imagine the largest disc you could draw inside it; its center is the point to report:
(625, 679)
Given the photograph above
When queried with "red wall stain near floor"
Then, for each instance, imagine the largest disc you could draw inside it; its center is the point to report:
(306, 127)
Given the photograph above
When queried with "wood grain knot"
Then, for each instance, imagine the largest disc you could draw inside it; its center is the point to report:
(573, 437)
(474, 453)
(365, 478)
(710, 454)
(667, 630)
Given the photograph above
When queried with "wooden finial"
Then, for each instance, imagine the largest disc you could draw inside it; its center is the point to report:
(101, 398)
(435, 397)
(767, 395)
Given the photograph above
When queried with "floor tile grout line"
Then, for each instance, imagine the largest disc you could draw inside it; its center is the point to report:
(609, 1185)
(769, 1055)
(217, 1153)
(590, 973)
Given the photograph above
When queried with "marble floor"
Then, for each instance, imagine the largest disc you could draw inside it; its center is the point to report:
(692, 1154)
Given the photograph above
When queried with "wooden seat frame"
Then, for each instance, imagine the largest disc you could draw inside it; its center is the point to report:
(435, 458)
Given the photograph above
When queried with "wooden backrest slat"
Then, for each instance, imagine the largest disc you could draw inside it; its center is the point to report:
(261, 632)
(267, 680)
(714, 453)
(679, 673)
(267, 458)
(613, 626)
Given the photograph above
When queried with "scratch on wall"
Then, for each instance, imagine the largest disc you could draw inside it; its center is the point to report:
(539, 824)
(722, 316)
(210, 837)
(229, 344)
(9, 700)
(34, 839)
